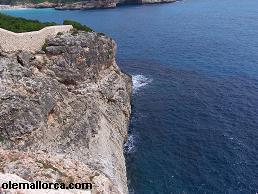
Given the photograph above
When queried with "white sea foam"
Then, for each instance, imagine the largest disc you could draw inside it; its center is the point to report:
(129, 146)
(140, 81)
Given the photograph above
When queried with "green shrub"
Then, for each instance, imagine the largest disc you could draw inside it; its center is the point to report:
(74, 32)
(16, 24)
(78, 26)
(1, 138)
(44, 47)
(60, 33)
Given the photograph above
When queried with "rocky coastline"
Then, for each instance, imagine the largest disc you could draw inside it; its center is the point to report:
(81, 5)
(65, 112)
(29, 5)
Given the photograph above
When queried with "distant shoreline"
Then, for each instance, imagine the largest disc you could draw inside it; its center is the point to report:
(15, 7)
(28, 6)
(80, 5)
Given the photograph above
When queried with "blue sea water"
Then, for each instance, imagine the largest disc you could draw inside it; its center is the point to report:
(194, 63)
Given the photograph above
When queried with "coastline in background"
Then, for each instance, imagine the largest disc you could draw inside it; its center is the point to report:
(81, 5)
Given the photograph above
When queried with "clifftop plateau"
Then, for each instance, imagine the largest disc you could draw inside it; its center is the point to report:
(65, 112)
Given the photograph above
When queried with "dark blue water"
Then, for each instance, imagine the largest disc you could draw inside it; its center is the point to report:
(195, 108)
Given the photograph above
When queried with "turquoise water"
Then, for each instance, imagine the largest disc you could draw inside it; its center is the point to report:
(194, 63)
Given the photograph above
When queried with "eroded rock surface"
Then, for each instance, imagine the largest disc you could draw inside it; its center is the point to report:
(67, 105)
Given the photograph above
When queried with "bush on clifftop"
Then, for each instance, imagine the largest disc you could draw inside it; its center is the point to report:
(16, 24)
(77, 25)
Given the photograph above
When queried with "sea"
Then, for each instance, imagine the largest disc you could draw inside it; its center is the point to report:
(194, 64)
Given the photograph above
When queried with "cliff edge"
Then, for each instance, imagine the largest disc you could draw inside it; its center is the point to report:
(65, 112)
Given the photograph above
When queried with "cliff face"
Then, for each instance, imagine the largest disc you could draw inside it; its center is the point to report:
(65, 113)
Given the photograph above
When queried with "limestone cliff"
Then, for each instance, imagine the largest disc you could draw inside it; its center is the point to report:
(65, 113)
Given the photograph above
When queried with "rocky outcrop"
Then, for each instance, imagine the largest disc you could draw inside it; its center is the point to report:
(65, 113)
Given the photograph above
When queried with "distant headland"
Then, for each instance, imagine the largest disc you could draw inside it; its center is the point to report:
(74, 4)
